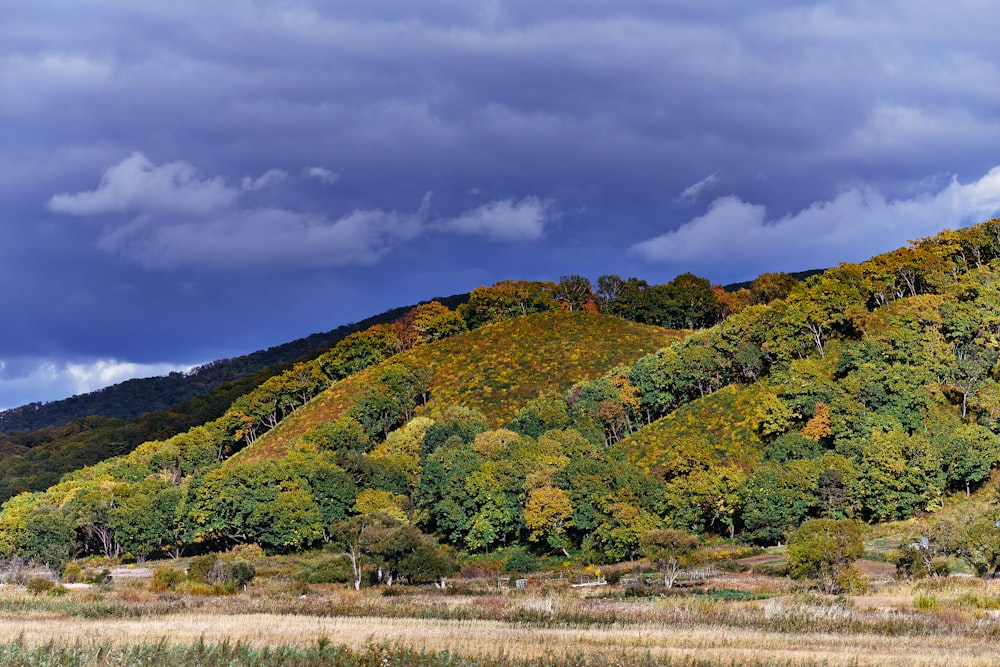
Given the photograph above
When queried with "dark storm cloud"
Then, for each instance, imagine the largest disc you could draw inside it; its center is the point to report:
(168, 170)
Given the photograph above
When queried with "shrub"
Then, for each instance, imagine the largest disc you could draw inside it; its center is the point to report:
(924, 602)
(200, 568)
(940, 566)
(239, 576)
(102, 578)
(73, 574)
(520, 560)
(327, 571)
(824, 549)
(245, 552)
(189, 587)
(38, 585)
(166, 578)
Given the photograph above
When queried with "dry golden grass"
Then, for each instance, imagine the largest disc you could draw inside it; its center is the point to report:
(881, 628)
(722, 645)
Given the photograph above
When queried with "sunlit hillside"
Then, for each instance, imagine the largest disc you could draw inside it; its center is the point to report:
(495, 369)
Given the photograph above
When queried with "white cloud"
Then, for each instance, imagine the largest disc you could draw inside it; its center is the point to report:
(692, 192)
(504, 219)
(48, 380)
(269, 177)
(853, 226)
(177, 219)
(136, 185)
(322, 174)
(265, 237)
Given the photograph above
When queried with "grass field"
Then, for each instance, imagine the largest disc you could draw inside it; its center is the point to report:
(735, 619)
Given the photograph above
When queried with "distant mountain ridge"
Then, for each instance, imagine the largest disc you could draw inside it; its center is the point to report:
(132, 398)
(747, 284)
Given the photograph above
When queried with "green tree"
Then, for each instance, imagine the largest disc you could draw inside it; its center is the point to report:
(825, 550)
(777, 497)
(47, 539)
(143, 519)
(896, 475)
(263, 502)
(770, 286)
(669, 550)
(692, 302)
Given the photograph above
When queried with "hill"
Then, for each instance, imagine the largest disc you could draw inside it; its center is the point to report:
(869, 392)
(129, 399)
(495, 369)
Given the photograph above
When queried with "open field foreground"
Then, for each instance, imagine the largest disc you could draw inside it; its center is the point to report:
(708, 644)
(956, 624)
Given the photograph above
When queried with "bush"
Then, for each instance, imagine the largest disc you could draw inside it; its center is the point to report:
(327, 571)
(940, 566)
(239, 576)
(824, 549)
(73, 574)
(166, 578)
(520, 560)
(246, 552)
(38, 585)
(200, 568)
(189, 587)
(102, 578)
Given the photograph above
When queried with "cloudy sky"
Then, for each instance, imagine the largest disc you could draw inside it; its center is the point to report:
(185, 181)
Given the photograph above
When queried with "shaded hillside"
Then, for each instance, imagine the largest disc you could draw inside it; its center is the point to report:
(495, 369)
(34, 461)
(132, 398)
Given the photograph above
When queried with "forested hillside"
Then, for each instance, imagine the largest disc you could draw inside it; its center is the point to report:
(867, 392)
(35, 460)
(132, 398)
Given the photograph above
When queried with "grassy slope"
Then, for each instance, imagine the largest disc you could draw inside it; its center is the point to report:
(496, 369)
(719, 429)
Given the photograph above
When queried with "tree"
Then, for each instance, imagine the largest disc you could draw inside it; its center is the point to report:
(693, 302)
(402, 551)
(329, 487)
(357, 537)
(778, 497)
(545, 413)
(46, 539)
(770, 286)
(89, 506)
(981, 546)
(264, 502)
(574, 292)
(896, 475)
(143, 519)
(669, 550)
(824, 550)
(507, 299)
(433, 321)
(547, 514)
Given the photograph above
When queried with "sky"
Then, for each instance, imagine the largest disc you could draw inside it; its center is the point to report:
(186, 181)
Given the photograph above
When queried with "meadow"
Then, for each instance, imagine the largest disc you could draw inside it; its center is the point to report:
(737, 619)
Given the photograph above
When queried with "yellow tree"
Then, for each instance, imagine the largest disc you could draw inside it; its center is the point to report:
(547, 514)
